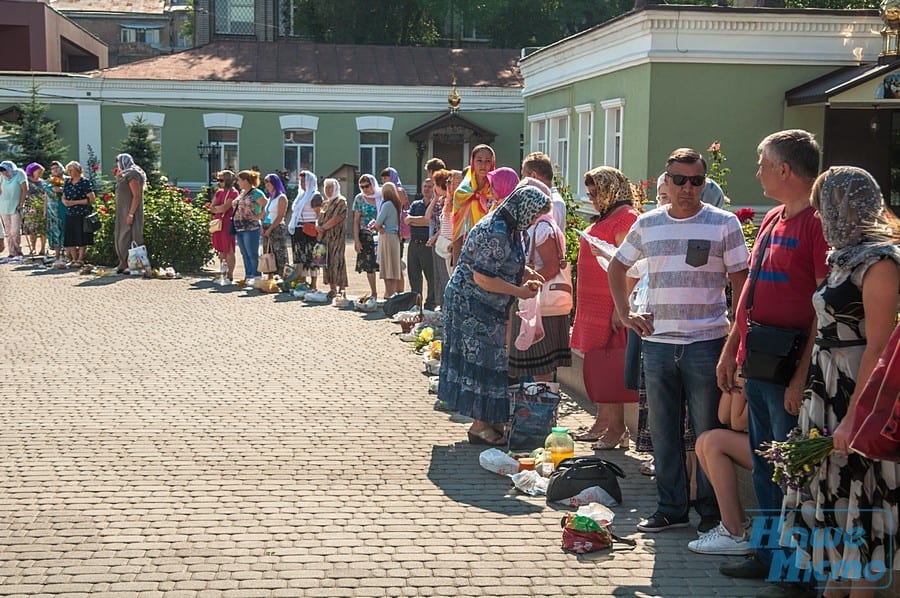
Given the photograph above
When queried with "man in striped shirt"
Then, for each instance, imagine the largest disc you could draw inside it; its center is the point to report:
(692, 250)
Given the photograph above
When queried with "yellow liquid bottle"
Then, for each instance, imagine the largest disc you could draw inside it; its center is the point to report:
(560, 445)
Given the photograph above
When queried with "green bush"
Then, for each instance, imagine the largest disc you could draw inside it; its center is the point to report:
(176, 229)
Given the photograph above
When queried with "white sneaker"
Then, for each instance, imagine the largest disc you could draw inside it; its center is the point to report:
(721, 542)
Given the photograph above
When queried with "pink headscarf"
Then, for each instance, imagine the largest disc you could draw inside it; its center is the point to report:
(503, 180)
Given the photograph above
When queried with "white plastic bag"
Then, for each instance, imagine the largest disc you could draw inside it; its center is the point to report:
(530, 482)
(532, 329)
(137, 258)
(496, 461)
(599, 513)
(589, 495)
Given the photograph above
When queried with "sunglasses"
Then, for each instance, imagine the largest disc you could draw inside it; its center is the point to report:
(220, 180)
(367, 186)
(698, 180)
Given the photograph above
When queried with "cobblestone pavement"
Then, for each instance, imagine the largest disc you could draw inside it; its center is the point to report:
(173, 438)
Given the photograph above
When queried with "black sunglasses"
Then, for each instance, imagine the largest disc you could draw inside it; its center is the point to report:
(698, 180)
(365, 186)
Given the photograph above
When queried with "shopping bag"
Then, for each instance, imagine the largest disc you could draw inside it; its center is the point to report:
(319, 255)
(137, 258)
(532, 408)
(267, 260)
(531, 330)
(604, 376)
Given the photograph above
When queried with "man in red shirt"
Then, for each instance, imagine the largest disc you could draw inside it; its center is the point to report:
(792, 267)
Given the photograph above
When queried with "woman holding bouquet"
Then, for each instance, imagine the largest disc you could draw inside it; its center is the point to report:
(856, 311)
(56, 211)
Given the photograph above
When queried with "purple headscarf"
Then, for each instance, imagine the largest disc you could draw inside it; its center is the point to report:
(395, 176)
(29, 170)
(503, 181)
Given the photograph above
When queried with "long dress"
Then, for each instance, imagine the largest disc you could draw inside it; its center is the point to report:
(56, 217)
(846, 488)
(335, 238)
(474, 368)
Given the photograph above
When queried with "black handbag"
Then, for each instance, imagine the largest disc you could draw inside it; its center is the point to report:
(400, 302)
(771, 354)
(91, 223)
(574, 475)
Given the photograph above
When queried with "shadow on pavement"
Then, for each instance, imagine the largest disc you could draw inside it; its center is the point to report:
(100, 281)
(477, 487)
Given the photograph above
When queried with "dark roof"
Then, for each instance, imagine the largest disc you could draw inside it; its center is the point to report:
(328, 64)
(830, 84)
(450, 119)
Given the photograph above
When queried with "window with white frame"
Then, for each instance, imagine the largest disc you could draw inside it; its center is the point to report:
(136, 35)
(374, 151)
(559, 153)
(299, 152)
(227, 140)
(539, 136)
(235, 17)
(585, 143)
(614, 111)
(154, 135)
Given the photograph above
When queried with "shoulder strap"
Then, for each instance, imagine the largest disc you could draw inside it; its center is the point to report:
(763, 247)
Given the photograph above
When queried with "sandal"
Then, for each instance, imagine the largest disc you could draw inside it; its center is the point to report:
(589, 435)
(647, 468)
(623, 441)
(485, 437)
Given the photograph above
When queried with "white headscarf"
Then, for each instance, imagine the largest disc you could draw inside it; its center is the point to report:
(125, 163)
(334, 185)
(304, 195)
(374, 191)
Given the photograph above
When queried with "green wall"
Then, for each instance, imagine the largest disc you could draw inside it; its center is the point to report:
(337, 139)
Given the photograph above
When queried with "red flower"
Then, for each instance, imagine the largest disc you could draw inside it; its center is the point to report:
(95, 167)
(187, 200)
(107, 197)
(186, 192)
(745, 214)
(103, 209)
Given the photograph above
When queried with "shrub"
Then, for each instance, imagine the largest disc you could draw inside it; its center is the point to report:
(176, 229)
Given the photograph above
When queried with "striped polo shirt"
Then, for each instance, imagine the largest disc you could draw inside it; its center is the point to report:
(688, 263)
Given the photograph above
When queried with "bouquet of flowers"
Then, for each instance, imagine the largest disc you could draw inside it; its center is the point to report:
(797, 457)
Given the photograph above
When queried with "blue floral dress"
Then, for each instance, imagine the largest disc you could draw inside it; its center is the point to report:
(474, 365)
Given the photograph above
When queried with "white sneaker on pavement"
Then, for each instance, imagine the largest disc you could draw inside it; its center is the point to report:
(720, 541)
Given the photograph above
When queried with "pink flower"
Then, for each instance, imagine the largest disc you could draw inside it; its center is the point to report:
(95, 167)
(715, 146)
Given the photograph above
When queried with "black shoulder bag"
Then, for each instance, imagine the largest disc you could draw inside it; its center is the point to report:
(771, 354)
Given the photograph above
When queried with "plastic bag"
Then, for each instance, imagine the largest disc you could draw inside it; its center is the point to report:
(496, 461)
(137, 258)
(589, 495)
(532, 329)
(607, 250)
(530, 482)
(598, 512)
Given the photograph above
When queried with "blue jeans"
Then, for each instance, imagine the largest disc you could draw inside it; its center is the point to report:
(767, 421)
(248, 241)
(673, 375)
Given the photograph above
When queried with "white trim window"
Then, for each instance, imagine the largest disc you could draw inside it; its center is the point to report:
(615, 113)
(374, 143)
(299, 152)
(130, 34)
(235, 17)
(585, 144)
(228, 142)
(154, 122)
(550, 135)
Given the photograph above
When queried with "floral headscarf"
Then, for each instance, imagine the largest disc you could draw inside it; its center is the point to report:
(852, 211)
(503, 181)
(470, 204)
(613, 189)
(309, 189)
(125, 164)
(523, 205)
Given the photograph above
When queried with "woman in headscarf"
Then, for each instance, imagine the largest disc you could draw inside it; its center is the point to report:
(546, 246)
(856, 310)
(131, 181)
(13, 189)
(365, 211)
(502, 182)
(302, 228)
(78, 197)
(333, 233)
(474, 196)
(35, 215)
(56, 211)
(274, 231)
(596, 326)
(491, 274)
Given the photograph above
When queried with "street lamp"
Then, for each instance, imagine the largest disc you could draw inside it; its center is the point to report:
(208, 152)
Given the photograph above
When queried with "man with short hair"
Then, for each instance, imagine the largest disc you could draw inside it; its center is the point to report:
(420, 258)
(691, 248)
(789, 271)
(433, 165)
(537, 165)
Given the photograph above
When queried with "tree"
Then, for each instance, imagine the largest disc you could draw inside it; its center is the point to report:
(34, 138)
(140, 145)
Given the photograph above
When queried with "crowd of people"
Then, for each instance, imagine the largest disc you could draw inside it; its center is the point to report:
(652, 317)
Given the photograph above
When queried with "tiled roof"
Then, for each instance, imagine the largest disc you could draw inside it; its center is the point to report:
(328, 64)
(130, 6)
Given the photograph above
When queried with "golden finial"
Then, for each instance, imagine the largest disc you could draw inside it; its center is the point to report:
(454, 99)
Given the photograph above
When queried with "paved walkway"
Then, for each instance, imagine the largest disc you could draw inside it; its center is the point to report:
(172, 438)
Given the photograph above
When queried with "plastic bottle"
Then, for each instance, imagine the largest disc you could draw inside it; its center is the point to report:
(560, 445)
(223, 268)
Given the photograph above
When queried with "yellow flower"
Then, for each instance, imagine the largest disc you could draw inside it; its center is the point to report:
(427, 334)
(807, 468)
(814, 433)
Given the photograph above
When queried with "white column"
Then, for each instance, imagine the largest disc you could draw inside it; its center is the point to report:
(89, 132)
